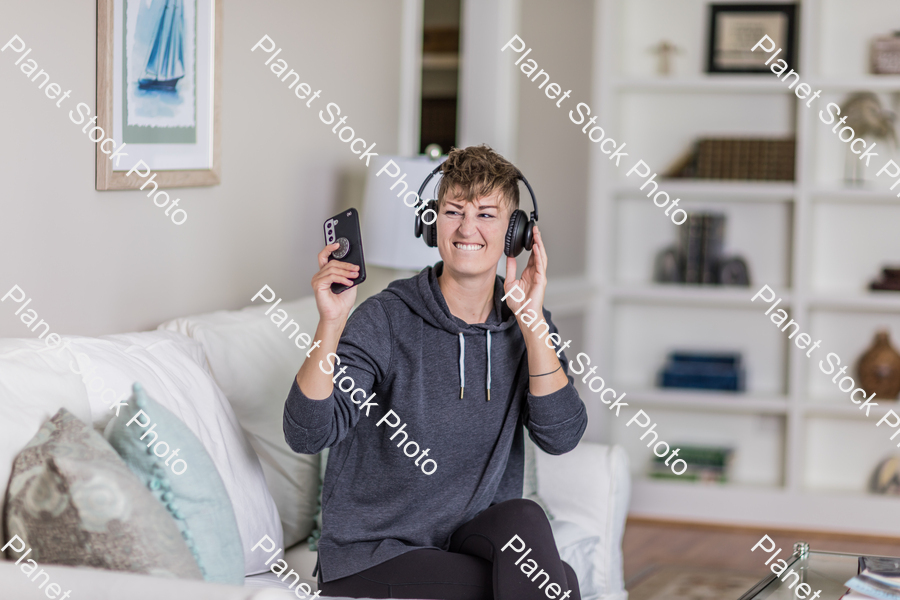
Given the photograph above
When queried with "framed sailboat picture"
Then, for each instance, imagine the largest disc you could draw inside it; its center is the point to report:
(158, 91)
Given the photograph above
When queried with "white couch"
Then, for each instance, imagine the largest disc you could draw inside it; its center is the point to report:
(234, 368)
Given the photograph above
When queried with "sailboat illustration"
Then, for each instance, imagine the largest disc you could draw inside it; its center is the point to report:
(165, 64)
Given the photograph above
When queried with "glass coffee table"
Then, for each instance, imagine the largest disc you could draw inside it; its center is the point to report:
(826, 571)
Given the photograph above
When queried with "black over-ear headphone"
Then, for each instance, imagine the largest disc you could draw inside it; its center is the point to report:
(519, 234)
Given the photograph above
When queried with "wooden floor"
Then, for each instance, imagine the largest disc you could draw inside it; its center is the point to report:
(653, 543)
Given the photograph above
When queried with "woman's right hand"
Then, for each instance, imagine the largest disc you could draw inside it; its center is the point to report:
(334, 308)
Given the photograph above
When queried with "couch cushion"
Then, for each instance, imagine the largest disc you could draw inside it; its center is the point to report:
(173, 370)
(72, 501)
(589, 487)
(34, 385)
(578, 548)
(95, 584)
(254, 362)
(149, 438)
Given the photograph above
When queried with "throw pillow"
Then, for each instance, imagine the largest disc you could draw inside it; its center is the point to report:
(578, 548)
(34, 384)
(172, 368)
(73, 501)
(192, 491)
(254, 358)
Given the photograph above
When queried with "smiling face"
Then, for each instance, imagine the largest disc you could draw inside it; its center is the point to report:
(471, 235)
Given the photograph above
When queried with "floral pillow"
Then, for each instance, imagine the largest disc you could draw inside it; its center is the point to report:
(74, 502)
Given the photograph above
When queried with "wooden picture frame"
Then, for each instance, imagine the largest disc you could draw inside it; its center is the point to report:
(735, 28)
(183, 154)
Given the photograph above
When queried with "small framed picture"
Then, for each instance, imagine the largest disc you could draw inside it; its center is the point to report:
(159, 65)
(735, 28)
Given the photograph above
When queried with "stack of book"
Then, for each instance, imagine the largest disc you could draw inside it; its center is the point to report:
(703, 371)
(705, 464)
(879, 578)
(698, 256)
(889, 280)
(749, 159)
(701, 240)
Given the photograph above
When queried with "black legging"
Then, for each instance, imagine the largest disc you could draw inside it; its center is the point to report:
(475, 568)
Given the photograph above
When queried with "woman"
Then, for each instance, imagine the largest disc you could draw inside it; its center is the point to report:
(424, 480)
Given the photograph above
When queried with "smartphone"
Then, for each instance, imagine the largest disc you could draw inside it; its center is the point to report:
(344, 229)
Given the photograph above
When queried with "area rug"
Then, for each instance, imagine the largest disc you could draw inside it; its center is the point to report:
(691, 583)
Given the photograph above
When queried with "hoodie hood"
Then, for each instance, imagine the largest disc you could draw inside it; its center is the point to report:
(422, 294)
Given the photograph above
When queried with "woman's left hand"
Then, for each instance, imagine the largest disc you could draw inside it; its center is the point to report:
(534, 278)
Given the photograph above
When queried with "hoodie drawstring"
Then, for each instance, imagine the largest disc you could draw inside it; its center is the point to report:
(489, 366)
(462, 365)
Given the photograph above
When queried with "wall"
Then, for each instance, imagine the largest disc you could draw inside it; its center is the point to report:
(104, 262)
(552, 151)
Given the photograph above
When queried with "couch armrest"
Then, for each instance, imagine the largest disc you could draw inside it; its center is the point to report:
(98, 584)
(590, 486)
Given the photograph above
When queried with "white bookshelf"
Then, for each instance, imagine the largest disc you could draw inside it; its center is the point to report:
(804, 453)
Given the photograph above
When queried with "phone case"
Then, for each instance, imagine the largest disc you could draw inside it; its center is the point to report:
(344, 228)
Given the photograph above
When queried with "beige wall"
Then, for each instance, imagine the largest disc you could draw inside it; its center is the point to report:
(552, 152)
(105, 262)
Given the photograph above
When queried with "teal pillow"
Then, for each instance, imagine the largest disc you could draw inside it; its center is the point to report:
(195, 497)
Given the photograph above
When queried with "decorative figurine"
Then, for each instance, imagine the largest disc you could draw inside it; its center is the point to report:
(664, 50)
(869, 121)
(879, 368)
(886, 477)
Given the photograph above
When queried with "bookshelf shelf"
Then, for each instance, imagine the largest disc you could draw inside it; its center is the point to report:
(762, 84)
(709, 401)
(684, 294)
(883, 83)
(871, 302)
(710, 84)
(720, 191)
(805, 453)
(876, 195)
(813, 508)
(842, 408)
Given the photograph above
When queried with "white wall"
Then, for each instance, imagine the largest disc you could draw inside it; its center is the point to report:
(105, 262)
(552, 151)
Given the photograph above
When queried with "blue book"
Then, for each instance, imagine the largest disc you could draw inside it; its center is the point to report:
(708, 371)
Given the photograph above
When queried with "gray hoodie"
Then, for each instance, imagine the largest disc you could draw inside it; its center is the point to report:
(405, 346)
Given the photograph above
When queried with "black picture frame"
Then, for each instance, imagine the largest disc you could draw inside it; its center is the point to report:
(716, 64)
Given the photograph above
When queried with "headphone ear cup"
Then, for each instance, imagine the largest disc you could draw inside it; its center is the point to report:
(528, 238)
(429, 231)
(515, 234)
(417, 230)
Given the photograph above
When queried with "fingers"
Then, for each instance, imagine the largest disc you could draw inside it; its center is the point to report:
(323, 255)
(510, 269)
(539, 252)
(335, 272)
(321, 283)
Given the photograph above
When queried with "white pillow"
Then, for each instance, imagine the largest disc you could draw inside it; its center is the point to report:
(34, 385)
(254, 362)
(589, 487)
(579, 548)
(172, 368)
